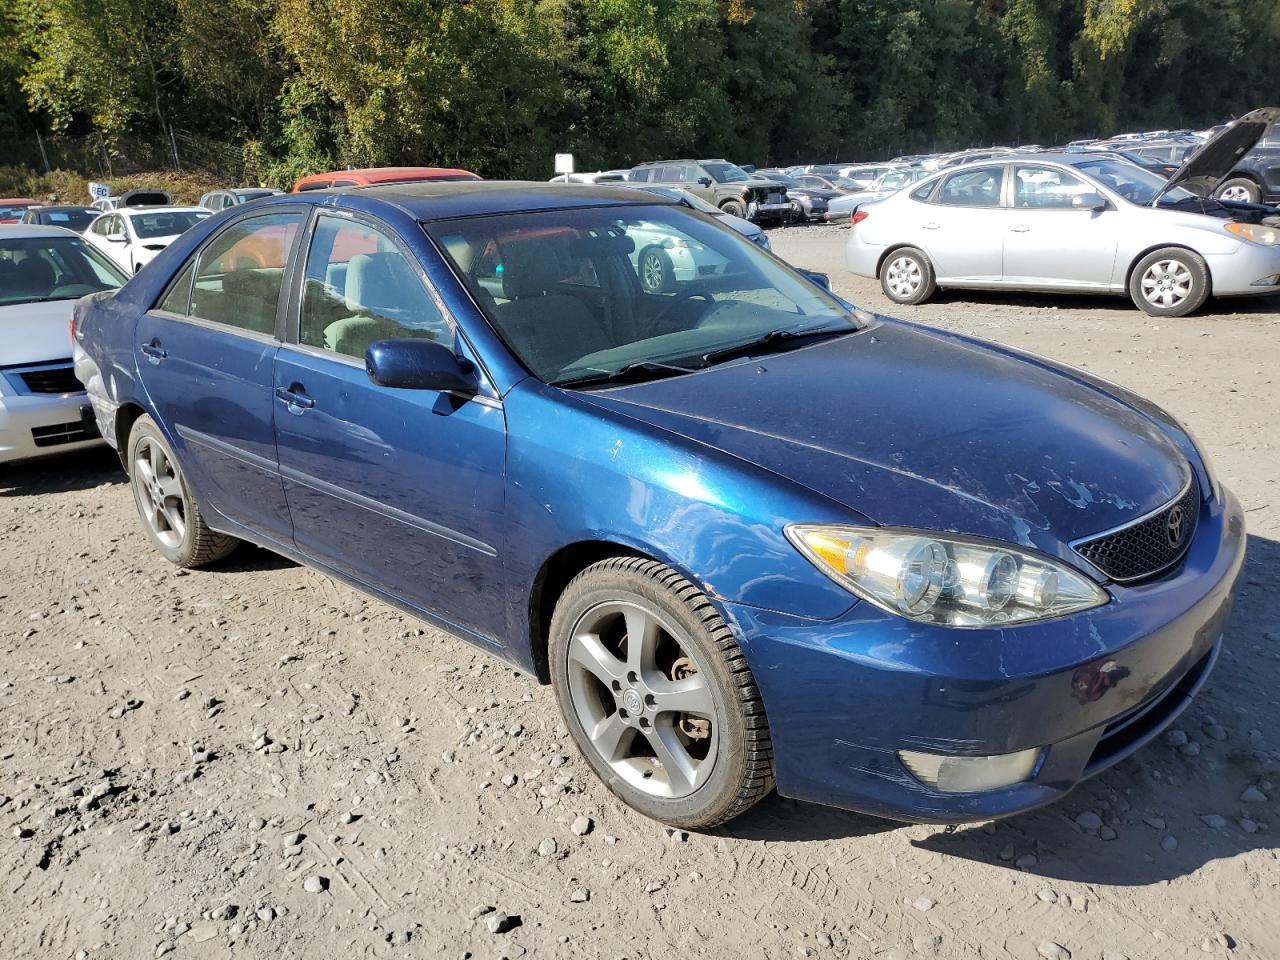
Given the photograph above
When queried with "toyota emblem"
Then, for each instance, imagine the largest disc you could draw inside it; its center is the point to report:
(1173, 526)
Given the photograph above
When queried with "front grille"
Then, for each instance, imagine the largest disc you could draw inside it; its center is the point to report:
(59, 379)
(1150, 545)
(60, 433)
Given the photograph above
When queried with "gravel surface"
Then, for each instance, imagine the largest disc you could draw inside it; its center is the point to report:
(255, 761)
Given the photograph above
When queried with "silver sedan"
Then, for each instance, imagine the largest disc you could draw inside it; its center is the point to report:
(1065, 222)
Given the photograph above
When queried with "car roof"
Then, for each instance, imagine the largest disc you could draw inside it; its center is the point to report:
(28, 231)
(447, 199)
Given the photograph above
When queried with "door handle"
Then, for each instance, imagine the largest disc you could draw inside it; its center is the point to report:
(931, 226)
(153, 352)
(1020, 228)
(295, 396)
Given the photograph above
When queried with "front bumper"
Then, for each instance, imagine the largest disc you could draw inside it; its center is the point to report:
(767, 211)
(1251, 270)
(844, 696)
(43, 425)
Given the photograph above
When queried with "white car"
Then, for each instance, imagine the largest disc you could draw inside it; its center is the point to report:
(43, 272)
(132, 236)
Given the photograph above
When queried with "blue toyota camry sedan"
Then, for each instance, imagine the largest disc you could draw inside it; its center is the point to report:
(749, 534)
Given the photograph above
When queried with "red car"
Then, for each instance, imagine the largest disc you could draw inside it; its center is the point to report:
(12, 209)
(372, 175)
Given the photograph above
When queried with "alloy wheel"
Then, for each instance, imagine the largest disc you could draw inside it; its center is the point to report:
(646, 708)
(1166, 283)
(159, 490)
(904, 276)
(651, 272)
(1237, 193)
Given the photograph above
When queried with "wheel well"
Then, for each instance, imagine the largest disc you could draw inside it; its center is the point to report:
(1128, 275)
(1243, 175)
(561, 567)
(126, 416)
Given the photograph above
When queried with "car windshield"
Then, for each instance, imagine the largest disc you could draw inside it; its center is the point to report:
(53, 268)
(843, 183)
(75, 220)
(726, 172)
(165, 223)
(1136, 184)
(587, 294)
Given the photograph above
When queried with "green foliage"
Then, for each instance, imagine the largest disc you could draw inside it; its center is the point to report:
(497, 86)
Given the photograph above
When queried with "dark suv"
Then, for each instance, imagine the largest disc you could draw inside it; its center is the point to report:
(724, 184)
(1256, 178)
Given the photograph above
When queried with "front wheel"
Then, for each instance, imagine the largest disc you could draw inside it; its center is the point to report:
(1172, 282)
(658, 696)
(168, 509)
(733, 208)
(907, 276)
(1240, 189)
(656, 272)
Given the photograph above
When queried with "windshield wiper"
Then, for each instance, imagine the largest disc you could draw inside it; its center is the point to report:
(767, 342)
(631, 373)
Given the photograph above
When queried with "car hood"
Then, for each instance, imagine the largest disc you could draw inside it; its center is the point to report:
(35, 332)
(1214, 160)
(922, 429)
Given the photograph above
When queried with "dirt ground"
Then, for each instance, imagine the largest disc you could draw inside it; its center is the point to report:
(254, 761)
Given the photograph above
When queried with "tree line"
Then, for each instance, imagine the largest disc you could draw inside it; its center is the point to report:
(498, 86)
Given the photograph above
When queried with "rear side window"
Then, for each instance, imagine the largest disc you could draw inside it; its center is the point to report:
(922, 192)
(973, 188)
(238, 276)
(360, 288)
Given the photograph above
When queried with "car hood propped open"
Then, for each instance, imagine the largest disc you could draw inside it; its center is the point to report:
(916, 428)
(1214, 160)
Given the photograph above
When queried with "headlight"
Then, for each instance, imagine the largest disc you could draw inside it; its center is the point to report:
(1267, 236)
(939, 578)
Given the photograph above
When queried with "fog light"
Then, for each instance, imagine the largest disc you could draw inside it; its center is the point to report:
(970, 774)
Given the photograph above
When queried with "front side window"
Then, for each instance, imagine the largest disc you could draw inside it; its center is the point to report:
(238, 277)
(34, 269)
(1046, 188)
(360, 288)
(581, 294)
(973, 188)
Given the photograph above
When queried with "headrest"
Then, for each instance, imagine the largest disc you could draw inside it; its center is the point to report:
(529, 267)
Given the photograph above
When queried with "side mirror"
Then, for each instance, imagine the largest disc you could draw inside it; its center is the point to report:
(1089, 201)
(418, 365)
(705, 181)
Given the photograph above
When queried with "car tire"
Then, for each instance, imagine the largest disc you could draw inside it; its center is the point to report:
(717, 758)
(906, 276)
(169, 510)
(1240, 189)
(1170, 282)
(655, 270)
(733, 208)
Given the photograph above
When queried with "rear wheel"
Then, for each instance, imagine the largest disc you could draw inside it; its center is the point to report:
(1172, 282)
(657, 694)
(1240, 189)
(656, 273)
(168, 509)
(907, 276)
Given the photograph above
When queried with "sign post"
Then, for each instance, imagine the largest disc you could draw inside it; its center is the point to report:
(99, 191)
(564, 165)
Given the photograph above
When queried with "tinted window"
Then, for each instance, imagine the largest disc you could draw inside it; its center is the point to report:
(973, 188)
(52, 268)
(178, 299)
(725, 172)
(360, 288)
(239, 274)
(1046, 188)
(75, 220)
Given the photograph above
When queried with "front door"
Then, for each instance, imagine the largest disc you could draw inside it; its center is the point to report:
(1051, 243)
(402, 490)
(205, 357)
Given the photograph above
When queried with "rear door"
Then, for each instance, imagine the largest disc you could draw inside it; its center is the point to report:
(962, 227)
(205, 355)
(1049, 242)
(402, 490)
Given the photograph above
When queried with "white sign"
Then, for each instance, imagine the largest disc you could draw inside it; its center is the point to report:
(564, 163)
(99, 191)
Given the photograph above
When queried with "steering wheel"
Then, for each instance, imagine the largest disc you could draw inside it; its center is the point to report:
(679, 298)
